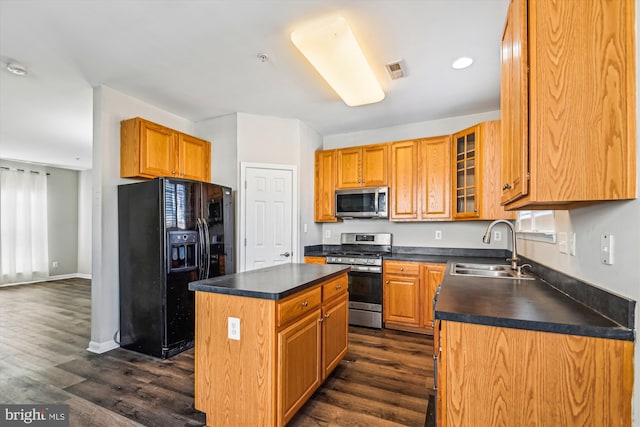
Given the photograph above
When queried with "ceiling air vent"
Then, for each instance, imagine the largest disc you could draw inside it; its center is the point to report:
(396, 69)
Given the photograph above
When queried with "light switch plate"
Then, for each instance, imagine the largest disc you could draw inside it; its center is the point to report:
(562, 242)
(606, 249)
(572, 244)
(438, 235)
(234, 328)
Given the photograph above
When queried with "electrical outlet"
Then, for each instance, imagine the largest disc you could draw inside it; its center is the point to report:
(438, 235)
(234, 328)
(606, 249)
(55, 264)
(562, 242)
(497, 236)
(327, 234)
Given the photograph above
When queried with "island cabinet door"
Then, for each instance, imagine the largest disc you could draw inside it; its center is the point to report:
(335, 333)
(299, 364)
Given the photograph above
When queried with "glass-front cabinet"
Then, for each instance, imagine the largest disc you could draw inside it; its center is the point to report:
(466, 151)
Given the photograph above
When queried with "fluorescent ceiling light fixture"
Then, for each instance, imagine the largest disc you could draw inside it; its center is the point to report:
(462, 62)
(330, 46)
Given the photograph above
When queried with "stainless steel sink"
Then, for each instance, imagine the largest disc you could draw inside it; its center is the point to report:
(496, 271)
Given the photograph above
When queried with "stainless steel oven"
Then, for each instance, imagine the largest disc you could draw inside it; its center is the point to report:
(365, 296)
(363, 252)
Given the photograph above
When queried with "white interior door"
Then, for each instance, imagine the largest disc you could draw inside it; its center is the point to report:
(269, 216)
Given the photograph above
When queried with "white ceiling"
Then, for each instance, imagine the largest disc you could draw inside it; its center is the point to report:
(198, 59)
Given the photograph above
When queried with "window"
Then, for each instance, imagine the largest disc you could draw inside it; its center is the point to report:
(536, 225)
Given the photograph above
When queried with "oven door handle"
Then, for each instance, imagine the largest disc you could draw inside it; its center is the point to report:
(366, 269)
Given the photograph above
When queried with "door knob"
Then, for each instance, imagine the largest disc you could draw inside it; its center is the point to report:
(286, 254)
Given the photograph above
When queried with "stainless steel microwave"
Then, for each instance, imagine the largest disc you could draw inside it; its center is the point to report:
(362, 203)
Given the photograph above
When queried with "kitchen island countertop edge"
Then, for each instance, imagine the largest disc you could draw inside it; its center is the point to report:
(273, 283)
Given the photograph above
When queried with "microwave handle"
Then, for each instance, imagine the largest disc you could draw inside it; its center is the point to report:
(375, 202)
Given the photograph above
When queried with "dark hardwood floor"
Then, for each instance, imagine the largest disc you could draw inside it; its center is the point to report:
(45, 329)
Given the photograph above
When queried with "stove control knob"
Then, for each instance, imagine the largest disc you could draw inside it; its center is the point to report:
(339, 259)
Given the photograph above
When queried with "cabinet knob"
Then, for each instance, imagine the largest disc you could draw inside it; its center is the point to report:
(173, 172)
(339, 287)
(386, 282)
(306, 303)
(326, 316)
(401, 268)
(507, 186)
(320, 320)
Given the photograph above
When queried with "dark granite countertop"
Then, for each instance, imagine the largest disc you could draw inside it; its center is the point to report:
(521, 304)
(273, 283)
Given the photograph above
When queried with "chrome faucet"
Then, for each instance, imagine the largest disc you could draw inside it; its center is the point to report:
(514, 254)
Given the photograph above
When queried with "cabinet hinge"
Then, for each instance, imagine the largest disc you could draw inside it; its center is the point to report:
(528, 176)
(245, 185)
(245, 241)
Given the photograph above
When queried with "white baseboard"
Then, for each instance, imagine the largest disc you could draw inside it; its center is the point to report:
(52, 278)
(102, 347)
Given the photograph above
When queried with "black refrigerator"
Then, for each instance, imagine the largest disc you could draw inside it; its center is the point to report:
(171, 232)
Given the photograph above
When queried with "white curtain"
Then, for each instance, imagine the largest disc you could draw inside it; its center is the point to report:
(24, 254)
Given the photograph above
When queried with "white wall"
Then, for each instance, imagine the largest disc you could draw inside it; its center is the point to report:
(62, 216)
(242, 137)
(310, 142)
(222, 132)
(85, 187)
(109, 108)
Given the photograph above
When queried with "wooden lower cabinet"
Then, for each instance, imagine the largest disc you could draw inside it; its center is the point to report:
(286, 349)
(315, 260)
(335, 333)
(408, 290)
(492, 376)
(431, 276)
(299, 373)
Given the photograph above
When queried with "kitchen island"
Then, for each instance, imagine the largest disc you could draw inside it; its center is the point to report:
(266, 339)
(520, 352)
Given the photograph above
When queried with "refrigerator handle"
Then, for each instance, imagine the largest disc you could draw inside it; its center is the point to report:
(200, 249)
(207, 249)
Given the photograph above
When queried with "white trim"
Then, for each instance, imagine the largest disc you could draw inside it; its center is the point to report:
(51, 279)
(243, 215)
(102, 347)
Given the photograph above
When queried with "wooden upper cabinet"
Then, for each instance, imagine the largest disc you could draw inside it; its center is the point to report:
(434, 170)
(573, 135)
(150, 150)
(466, 173)
(364, 166)
(490, 206)
(403, 201)
(194, 158)
(476, 173)
(325, 186)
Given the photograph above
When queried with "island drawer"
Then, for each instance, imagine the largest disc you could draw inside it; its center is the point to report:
(297, 305)
(335, 287)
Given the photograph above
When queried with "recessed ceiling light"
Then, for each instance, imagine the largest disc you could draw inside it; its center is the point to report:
(17, 69)
(462, 62)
